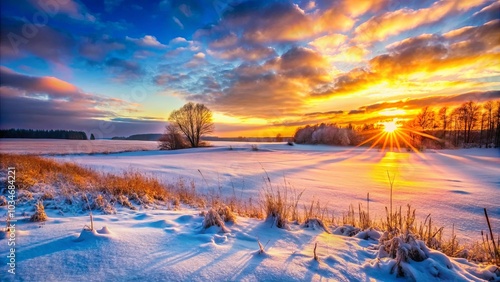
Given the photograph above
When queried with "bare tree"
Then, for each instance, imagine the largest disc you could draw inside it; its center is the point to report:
(471, 112)
(194, 121)
(172, 139)
(444, 119)
(488, 106)
(426, 118)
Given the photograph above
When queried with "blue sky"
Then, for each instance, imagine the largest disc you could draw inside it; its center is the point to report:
(263, 67)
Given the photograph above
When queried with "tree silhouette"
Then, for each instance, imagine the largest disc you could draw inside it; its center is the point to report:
(194, 121)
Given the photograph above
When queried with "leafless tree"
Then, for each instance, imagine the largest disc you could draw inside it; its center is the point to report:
(444, 119)
(471, 116)
(194, 121)
(172, 139)
(488, 107)
(426, 119)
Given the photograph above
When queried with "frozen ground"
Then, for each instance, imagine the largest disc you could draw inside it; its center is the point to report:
(156, 245)
(452, 185)
(56, 146)
(161, 245)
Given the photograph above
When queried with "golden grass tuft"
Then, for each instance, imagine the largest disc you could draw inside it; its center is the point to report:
(39, 214)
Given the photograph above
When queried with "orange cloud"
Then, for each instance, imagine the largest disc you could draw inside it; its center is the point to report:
(458, 56)
(52, 84)
(393, 23)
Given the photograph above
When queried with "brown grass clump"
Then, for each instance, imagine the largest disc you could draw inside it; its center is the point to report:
(278, 206)
(212, 218)
(124, 201)
(226, 214)
(39, 214)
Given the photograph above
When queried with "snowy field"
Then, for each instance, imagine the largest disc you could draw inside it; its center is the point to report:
(452, 185)
(63, 147)
(160, 245)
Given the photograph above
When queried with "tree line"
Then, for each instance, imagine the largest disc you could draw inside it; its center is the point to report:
(43, 134)
(330, 134)
(471, 124)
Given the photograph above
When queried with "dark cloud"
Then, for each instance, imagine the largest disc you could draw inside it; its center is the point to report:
(324, 113)
(356, 112)
(124, 69)
(437, 101)
(97, 48)
(20, 112)
(488, 13)
(48, 102)
(18, 40)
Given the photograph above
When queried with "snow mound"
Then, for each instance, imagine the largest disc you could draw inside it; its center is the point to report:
(89, 235)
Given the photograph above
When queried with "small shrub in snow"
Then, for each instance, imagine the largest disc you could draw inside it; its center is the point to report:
(124, 201)
(255, 147)
(346, 230)
(212, 218)
(369, 234)
(101, 203)
(226, 214)
(146, 200)
(39, 214)
(316, 223)
(279, 207)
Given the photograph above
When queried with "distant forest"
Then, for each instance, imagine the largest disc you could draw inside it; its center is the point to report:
(469, 125)
(43, 134)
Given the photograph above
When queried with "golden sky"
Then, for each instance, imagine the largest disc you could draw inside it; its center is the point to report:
(263, 67)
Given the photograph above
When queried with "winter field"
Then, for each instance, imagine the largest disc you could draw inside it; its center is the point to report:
(160, 243)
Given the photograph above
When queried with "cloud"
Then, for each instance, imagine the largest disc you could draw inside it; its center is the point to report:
(48, 102)
(380, 27)
(255, 53)
(110, 5)
(255, 23)
(356, 112)
(329, 43)
(43, 42)
(98, 48)
(146, 41)
(51, 86)
(274, 89)
(70, 8)
(178, 22)
(460, 55)
(436, 101)
(197, 60)
(489, 12)
(124, 68)
(320, 114)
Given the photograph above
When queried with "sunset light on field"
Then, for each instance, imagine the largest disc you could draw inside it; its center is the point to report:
(249, 140)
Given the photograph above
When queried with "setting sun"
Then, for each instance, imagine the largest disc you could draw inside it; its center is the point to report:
(390, 126)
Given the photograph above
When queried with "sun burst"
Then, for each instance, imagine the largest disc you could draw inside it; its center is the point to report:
(390, 126)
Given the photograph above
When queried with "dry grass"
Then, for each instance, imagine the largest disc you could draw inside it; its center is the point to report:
(90, 189)
(39, 214)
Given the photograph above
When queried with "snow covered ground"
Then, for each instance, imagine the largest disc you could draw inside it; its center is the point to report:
(156, 245)
(56, 146)
(164, 245)
(452, 185)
